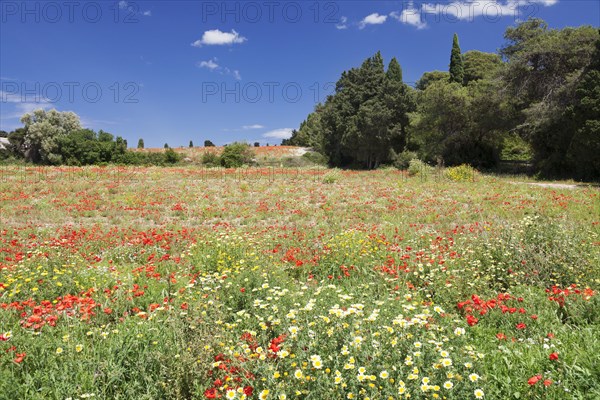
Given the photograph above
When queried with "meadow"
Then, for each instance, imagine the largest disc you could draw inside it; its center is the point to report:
(187, 283)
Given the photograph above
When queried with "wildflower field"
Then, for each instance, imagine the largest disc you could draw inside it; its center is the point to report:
(182, 283)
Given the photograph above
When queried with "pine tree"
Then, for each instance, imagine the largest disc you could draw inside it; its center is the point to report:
(394, 71)
(191, 144)
(456, 62)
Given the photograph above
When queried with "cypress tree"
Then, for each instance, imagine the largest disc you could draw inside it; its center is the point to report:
(457, 71)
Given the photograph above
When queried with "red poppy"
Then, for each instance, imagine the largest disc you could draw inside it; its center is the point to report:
(547, 382)
(248, 391)
(471, 320)
(534, 379)
(521, 325)
(501, 336)
(210, 393)
(553, 356)
(19, 357)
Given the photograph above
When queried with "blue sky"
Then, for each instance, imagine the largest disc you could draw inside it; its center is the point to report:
(175, 71)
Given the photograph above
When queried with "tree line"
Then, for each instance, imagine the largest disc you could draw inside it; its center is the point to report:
(537, 99)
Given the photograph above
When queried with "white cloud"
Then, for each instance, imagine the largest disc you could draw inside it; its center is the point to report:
(210, 64)
(283, 133)
(409, 16)
(123, 4)
(213, 66)
(342, 23)
(147, 13)
(372, 19)
(255, 126)
(217, 38)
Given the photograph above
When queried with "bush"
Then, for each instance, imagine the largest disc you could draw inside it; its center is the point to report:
(417, 167)
(171, 157)
(462, 173)
(402, 160)
(236, 155)
(315, 158)
(211, 159)
(515, 148)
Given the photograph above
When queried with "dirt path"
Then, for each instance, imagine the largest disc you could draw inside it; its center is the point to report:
(568, 186)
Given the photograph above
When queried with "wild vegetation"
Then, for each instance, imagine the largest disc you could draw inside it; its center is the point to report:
(186, 283)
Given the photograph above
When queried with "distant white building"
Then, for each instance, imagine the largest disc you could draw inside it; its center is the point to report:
(4, 143)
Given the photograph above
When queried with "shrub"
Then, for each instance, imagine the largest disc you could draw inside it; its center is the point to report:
(417, 167)
(461, 173)
(402, 160)
(315, 158)
(211, 159)
(236, 155)
(171, 157)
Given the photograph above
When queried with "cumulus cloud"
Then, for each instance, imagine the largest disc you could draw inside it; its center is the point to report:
(217, 38)
(210, 64)
(372, 19)
(409, 16)
(283, 133)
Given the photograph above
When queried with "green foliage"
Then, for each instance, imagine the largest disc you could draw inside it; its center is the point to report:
(402, 160)
(208, 143)
(85, 147)
(417, 167)
(236, 155)
(456, 62)
(479, 65)
(584, 149)
(315, 158)
(443, 113)
(171, 157)
(140, 144)
(515, 148)
(367, 115)
(430, 77)
(211, 159)
(550, 82)
(394, 71)
(191, 144)
(311, 132)
(43, 132)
